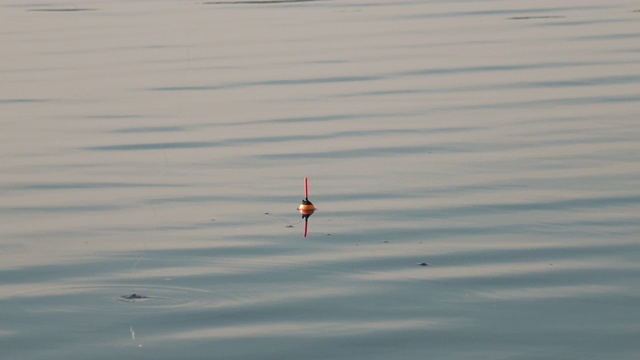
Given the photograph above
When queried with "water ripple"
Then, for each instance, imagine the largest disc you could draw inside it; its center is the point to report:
(279, 82)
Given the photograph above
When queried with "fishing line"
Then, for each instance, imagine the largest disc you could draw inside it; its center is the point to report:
(283, 219)
(134, 297)
(155, 217)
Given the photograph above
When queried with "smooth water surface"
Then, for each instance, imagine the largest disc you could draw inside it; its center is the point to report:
(157, 148)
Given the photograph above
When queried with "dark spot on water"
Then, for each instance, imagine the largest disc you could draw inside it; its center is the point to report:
(386, 242)
(267, 213)
(423, 264)
(328, 234)
(536, 17)
(289, 226)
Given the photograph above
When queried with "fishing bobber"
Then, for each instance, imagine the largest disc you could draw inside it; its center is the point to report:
(306, 209)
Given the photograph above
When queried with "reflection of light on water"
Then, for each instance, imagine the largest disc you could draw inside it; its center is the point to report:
(313, 329)
(551, 292)
(292, 293)
(492, 270)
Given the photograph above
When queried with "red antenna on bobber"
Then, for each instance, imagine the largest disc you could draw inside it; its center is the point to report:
(306, 208)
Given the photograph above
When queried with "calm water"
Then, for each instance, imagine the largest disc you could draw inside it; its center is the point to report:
(159, 147)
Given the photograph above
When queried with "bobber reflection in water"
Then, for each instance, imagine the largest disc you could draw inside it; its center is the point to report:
(306, 208)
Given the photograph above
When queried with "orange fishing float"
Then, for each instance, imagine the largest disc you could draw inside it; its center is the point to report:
(306, 208)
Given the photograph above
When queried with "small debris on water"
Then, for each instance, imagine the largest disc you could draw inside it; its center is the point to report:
(386, 242)
(289, 226)
(423, 264)
(133, 297)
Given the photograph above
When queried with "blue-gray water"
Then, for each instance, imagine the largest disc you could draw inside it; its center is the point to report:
(159, 147)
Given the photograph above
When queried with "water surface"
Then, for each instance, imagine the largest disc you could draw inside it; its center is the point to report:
(158, 148)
